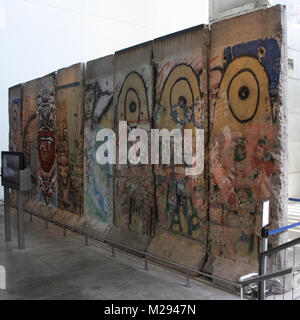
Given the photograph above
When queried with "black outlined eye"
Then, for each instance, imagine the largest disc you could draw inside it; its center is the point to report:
(180, 97)
(243, 95)
(132, 101)
(132, 106)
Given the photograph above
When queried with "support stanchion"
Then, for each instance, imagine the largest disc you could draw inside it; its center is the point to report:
(21, 237)
(242, 293)
(7, 219)
(146, 264)
(187, 284)
(21, 182)
(263, 263)
(263, 259)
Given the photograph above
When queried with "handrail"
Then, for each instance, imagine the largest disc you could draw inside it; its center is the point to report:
(145, 254)
(272, 232)
(280, 247)
(269, 276)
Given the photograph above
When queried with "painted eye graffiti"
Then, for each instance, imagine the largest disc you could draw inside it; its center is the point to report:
(132, 106)
(180, 95)
(181, 105)
(133, 101)
(243, 95)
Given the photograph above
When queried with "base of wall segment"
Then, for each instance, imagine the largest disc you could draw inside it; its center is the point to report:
(130, 239)
(227, 269)
(178, 249)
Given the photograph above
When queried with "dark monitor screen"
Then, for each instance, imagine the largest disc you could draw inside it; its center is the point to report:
(12, 163)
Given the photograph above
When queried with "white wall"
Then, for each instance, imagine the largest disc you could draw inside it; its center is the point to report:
(293, 34)
(294, 108)
(227, 8)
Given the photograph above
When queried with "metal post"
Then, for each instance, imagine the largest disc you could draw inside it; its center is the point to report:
(284, 266)
(31, 218)
(86, 241)
(242, 293)
(263, 264)
(7, 220)
(187, 281)
(264, 248)
(293, 283)
(21, 238)
(146, 264)
(263, 261)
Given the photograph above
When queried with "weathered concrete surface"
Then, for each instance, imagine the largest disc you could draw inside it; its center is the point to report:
(181, 103)
(45, 108)
(247, 139)
(29, 132)
(30, 205)
(15, 118)
(15, 125)
(134, 191)
(98, 114)
(210, 221)
(69, 135)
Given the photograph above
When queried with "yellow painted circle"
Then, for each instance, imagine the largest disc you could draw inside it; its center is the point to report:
(181, 89)
(132, 106)
(182, 81)
(132, 102)
(243, 95)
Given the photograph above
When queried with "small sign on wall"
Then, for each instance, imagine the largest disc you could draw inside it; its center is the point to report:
(265, 216)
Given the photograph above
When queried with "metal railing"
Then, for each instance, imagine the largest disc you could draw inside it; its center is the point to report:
(255, 285)
(271, 276)
(274, 283)
(145, 255)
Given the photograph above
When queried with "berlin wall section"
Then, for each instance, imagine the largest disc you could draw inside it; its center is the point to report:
(98, 114)
(15, 118)
(69, 144)
(228, 80)
(134, 187)
(181, 103)
(248, 142)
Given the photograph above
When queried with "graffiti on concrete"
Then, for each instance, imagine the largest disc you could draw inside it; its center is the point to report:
(15, 125)
(69, 148)
(181, 106)
(99, 114)
(132, 103)
(181, 98)
(29, 128)
(97, 101)
(134, 187)
(243, 137)
(244, 134)
(46, 144)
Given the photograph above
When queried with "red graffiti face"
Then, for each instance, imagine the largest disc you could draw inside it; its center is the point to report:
(46, 149)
